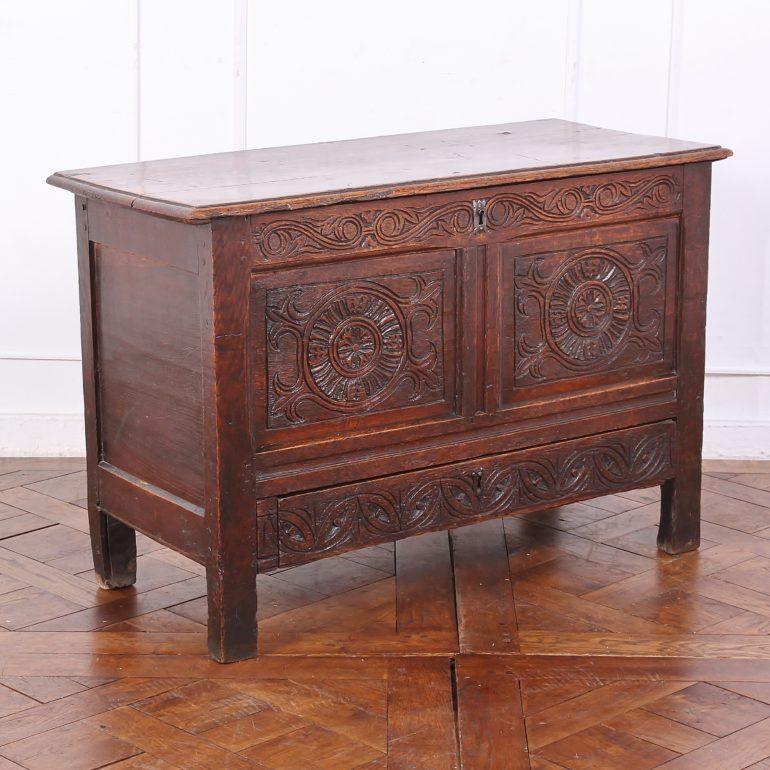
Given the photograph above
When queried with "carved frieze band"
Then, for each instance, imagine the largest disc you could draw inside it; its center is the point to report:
(384, 509)
(394, 225)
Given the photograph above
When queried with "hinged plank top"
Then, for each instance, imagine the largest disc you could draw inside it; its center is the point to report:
(279, 178)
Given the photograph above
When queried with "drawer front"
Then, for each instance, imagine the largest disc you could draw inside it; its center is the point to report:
(455, 219)
(305, 526)
(587, 308)
(345, 347)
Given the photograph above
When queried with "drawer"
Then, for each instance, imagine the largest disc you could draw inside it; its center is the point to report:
(584, 309)
(302, 527)
(337, 348)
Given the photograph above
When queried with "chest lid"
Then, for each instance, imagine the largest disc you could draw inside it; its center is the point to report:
(197, 188)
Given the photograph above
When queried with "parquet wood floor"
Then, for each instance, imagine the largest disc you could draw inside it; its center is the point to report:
(556, 640)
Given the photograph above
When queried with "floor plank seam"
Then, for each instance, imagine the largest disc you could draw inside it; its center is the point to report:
(455, 707)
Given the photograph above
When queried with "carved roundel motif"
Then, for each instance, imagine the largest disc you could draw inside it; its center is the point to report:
(588, 309)
(355, 346)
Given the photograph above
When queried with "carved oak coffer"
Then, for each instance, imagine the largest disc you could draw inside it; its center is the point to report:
(293, 352)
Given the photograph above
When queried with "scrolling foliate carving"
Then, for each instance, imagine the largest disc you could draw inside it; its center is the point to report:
(583, 201)
(395, 507)
(589, 310)
(345, 348)
(519, 207)
(380, 228)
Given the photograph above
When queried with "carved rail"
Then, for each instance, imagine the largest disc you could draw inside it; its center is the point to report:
(527, 208)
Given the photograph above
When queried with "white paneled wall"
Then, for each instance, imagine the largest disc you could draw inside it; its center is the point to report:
(88, 82)
(68, 95)
(342, 68)
(186, 77)
(623, 58)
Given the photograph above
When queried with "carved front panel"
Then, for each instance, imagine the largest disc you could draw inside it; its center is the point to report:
(603, 305)
(456, 217)
(346, 517)
(352, 343)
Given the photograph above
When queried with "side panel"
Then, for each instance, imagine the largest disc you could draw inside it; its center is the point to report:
(147, 321)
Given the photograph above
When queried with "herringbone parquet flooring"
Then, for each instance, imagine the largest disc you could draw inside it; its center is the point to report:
(556, 640)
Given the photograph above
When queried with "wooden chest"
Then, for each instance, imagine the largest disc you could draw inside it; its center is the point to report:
(293, 352)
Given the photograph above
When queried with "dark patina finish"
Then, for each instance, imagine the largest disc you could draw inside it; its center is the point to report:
(294, 352)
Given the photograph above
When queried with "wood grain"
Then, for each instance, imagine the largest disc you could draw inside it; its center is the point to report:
(361, 669)
(421, 729)
(491, 726)
(306, 175)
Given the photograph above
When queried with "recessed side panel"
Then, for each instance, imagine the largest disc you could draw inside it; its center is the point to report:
(588, 309)
(148, 341)
(337, 348)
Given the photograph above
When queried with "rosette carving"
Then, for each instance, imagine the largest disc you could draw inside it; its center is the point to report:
(589, 310)
(336, 349)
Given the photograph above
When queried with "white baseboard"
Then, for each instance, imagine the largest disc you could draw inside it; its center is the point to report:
(42, 435)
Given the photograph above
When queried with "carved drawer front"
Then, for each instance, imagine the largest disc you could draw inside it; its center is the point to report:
(589, 308)
(369, 342)
(305, 526)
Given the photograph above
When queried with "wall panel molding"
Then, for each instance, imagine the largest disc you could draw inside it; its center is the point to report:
(172, 78)
(572, 59)
(674, 67)
(240, 72)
